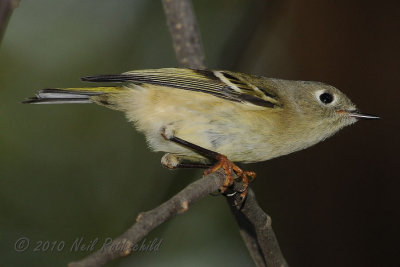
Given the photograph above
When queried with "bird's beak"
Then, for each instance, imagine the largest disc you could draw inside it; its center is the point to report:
(358, 115)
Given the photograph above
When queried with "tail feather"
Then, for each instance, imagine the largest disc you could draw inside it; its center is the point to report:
(35, 100)
(68, 95)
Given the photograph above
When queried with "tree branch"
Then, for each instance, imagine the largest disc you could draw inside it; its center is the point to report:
(256, 230)
(6, 8)
(255, 225)
(185, 33)
(147, 221)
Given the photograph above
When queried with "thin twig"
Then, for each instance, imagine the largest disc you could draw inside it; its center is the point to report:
(6, 8)
(254, 223)
(256, 230)
(147, 221)
(185, 33)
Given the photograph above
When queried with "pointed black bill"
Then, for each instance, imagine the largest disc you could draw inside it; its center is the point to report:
(356, 114)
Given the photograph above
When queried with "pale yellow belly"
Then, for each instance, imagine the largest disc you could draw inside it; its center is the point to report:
(219, 125)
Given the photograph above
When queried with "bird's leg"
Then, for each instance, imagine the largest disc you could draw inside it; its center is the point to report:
(175, 161)
(222, 162)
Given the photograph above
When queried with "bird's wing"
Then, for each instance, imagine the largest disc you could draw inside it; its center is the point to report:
(224, 84)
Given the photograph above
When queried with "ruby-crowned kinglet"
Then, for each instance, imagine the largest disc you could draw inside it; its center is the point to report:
(245, 117)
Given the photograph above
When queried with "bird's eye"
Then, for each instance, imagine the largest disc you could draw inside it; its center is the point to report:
(326, 98)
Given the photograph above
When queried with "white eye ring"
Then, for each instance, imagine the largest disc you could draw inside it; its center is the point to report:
(325, 98)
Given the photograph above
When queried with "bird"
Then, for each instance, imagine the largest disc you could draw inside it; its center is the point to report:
(216, 118)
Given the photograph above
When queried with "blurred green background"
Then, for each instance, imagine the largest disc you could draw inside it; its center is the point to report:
(71, 171)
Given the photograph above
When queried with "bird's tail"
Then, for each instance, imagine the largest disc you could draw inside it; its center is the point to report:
(70, 95)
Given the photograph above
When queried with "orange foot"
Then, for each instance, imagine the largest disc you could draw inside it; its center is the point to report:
(230, 168)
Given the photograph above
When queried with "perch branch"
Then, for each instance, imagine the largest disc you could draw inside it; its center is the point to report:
(256, 230)
(6, 8)
(147, 221)
(185, 33)
(254, 223)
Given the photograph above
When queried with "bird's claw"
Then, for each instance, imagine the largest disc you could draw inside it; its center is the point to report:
(230, 168)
